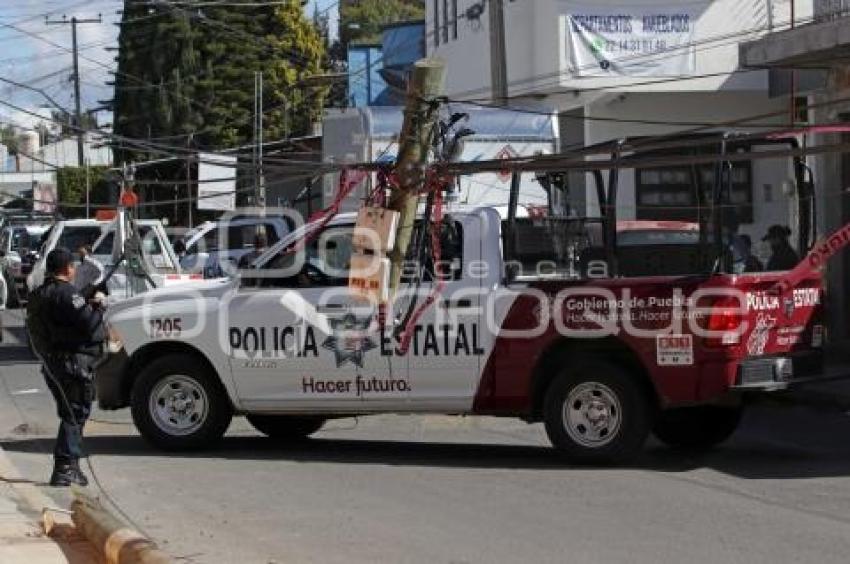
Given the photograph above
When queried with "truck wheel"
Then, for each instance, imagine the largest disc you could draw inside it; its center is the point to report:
(699, 427)
(284, 427)
(178, 405)
(596, 412)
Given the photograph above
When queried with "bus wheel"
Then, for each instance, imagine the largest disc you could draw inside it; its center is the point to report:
(178, 405)
(284, 427)
(596, 412)
(698, 427)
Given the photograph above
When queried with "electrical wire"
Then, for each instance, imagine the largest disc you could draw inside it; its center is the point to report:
(663, 141)
(180, 148)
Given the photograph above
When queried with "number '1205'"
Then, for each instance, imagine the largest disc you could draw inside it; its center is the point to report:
(168, 327)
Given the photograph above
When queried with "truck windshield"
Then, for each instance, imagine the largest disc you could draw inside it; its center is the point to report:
(26, 238)
(73, 237)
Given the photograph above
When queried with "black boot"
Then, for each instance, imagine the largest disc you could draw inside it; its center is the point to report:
(79, 477)
(63, 475)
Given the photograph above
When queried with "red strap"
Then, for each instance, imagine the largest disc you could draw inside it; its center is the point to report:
(821, 252)
(349, 179)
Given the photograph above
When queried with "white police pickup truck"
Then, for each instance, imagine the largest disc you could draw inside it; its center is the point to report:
(601, 360)
(107, 240)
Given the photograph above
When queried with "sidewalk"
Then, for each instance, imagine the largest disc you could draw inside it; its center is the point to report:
(22, 535)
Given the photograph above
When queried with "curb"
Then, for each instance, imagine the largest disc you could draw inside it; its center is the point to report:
(60, 541)
(118, 543)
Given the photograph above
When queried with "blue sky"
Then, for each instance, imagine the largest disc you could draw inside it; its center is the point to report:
(332, 7)
(40, 55)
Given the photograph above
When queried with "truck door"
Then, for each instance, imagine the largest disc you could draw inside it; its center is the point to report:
(299, 341)
(446, 350)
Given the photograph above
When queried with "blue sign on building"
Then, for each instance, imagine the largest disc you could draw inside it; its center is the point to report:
(377, 73)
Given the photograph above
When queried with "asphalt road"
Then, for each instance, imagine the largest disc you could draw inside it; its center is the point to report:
(440, 489)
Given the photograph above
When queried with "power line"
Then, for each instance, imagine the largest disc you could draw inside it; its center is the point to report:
(73, 22)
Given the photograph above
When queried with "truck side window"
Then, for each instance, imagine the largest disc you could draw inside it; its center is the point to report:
(209, 242)
(153, 248)
(450, 266)
(326, 262)
(272, 235)
(236, 237)
(105, 246)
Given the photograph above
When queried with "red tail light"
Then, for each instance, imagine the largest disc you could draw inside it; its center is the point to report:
(726, 318)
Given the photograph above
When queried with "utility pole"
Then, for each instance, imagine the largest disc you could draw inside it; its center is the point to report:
(262, 185)
(88, 191)
(259, 183)
(498, 52)
(189, 175)
(420, 117)
(77, 110)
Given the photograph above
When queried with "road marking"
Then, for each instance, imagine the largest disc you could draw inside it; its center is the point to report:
(27, 392)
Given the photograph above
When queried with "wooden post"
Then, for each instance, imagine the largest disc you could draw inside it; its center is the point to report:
(426, 84)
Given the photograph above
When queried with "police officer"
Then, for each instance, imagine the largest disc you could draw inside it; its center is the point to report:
(67, 332)
(782, 256)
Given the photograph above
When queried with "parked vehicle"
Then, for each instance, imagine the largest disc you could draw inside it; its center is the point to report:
(18, 244)
(108, 240)
(215, 243)
(22, 217)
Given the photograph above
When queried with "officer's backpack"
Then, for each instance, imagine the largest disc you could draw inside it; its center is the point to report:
(37, 322)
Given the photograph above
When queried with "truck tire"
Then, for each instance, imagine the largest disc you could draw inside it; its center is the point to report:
(597, 412)
(700, 427)
(178, 405)
(285, 427)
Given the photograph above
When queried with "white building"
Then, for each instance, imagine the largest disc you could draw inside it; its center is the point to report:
(822, 43)
(64, 153)
(620, 68)
(36, 165)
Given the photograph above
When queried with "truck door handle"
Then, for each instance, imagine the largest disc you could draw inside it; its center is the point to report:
(456, 304)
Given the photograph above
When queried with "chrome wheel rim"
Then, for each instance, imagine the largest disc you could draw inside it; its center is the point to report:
(592, 414)
(179, 405)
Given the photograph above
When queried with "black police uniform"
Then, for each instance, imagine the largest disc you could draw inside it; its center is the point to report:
(783, 258)
(75, 338)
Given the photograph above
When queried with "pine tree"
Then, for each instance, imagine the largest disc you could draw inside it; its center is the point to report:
(190, 70)
(361, 21)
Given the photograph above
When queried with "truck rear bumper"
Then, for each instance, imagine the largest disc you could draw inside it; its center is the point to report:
(110, 378)
(772, 373)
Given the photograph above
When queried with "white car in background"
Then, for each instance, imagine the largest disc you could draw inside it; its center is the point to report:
(17, 242)
(107, 241)
(215, 243)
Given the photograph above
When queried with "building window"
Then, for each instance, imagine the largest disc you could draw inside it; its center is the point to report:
(436, 23)
(454, 19)
(668, 193)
